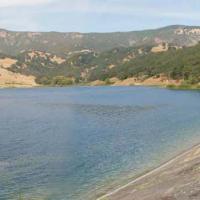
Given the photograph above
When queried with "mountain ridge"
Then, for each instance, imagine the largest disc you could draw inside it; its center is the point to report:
(62, 43)
(91, 32)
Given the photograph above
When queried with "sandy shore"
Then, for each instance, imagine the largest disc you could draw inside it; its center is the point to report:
(178, 179)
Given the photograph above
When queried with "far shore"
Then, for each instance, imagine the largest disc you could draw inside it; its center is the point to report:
(177, 179)
(172, 87)
(161, 81)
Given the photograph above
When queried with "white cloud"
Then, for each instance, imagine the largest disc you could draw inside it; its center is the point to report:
(22, 14)
(14, 3)
(180, 9)
(19, 24)
(30, 14)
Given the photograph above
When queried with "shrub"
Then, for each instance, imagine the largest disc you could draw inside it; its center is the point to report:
(61, 81)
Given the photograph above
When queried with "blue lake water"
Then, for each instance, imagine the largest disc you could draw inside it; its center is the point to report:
(80, 142)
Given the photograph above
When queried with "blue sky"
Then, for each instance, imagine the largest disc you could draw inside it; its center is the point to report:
(96, 15)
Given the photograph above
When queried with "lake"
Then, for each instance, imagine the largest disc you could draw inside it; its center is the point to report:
(77, 143)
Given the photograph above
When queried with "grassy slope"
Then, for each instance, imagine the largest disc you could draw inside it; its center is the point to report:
(123, 63)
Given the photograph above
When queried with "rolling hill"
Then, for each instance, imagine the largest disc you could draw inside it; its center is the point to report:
(12, 43)
(168, 55)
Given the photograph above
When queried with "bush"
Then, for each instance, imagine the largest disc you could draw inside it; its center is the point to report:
(61, 81)
(44, 81)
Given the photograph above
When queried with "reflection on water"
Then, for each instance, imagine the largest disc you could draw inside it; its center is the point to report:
(76, 143)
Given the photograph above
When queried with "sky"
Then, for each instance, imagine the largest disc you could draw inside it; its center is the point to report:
(96, 15)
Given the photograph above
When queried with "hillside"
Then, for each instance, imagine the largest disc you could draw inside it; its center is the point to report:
(177, 64)
(167, 56)
(12, 43)
(12, 79)
(141, 63)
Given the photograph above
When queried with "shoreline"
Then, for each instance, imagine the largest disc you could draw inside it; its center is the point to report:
(170, 87)
(139, 180)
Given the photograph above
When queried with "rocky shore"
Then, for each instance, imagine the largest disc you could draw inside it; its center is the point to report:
(178, 179)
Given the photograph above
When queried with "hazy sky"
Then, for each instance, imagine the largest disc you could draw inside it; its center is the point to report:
(96, 15)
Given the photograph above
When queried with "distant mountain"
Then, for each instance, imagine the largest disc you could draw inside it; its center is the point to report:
(13, 43)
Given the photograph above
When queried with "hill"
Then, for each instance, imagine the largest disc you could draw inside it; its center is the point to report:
(12, 43)
(142, 63)
(166, 56)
